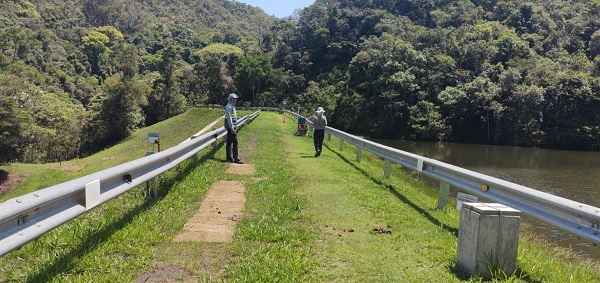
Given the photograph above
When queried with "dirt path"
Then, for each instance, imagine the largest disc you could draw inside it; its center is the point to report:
(222, 207)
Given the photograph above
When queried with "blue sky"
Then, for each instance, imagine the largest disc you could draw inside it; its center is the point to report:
(279, 8)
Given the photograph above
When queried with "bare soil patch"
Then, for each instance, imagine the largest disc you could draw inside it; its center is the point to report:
(215, 220)
(241, 169)
(8, 181)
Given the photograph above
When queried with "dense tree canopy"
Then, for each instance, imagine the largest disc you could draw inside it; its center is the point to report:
(79, 75)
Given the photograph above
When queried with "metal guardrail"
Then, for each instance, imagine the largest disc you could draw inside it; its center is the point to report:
(25, 218)
(577, 218)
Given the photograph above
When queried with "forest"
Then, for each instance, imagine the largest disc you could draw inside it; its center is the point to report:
(77, 76)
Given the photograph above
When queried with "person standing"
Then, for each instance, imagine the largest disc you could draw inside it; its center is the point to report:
(319, 123)
(231, 127)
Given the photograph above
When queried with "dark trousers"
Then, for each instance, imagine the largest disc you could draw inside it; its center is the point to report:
(318, 136)
(232, 146)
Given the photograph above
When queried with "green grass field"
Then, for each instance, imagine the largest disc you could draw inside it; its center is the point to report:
(306, 219)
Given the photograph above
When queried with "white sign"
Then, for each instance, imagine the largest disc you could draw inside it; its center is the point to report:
(153, 137)
(462, 197)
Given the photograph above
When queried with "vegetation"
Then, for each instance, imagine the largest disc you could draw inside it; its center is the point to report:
(302, 223)
(78, 76)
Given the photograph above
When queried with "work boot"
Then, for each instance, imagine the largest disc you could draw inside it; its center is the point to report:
(318, 153)
(238, 161)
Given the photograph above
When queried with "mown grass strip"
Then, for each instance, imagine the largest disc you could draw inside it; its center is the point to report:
(273, 244)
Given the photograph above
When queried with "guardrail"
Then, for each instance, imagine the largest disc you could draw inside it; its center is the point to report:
(25, 218)
(577, 218)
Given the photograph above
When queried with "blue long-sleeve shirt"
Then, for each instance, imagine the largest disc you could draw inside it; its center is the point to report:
(230, 116)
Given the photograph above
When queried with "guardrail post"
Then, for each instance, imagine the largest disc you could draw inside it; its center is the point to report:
(341, 144)
(152, 184)
(358, 154)
(387, 168)
(488, 237)
(444, 195)
(328, 137)
(214, 144)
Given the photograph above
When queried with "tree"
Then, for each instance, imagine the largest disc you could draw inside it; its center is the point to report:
(213, 72)
(165, 100)
(122, 108)
(126, 60)
(11, 120)
(253, 76)
(469, 110)
(384, 71)
(427, 122)
(96, 49)
(210, 86)
(56, 130)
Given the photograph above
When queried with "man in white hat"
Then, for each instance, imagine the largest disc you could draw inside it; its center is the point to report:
(319, 123)
(231, 127)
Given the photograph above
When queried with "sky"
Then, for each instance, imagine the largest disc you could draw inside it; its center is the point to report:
(279, 8)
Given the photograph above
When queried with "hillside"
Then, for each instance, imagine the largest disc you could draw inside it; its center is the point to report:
(77, 76)
(498, 72)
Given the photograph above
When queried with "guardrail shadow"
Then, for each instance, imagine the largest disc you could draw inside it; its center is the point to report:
(400, 196)
(91, 241)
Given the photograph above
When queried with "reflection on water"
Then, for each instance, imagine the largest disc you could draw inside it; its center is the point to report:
(570, 174)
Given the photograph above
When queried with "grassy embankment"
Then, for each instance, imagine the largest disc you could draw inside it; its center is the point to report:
(308, 220)
(38, 176)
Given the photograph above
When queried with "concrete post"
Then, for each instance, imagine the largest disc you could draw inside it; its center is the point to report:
(488, 238)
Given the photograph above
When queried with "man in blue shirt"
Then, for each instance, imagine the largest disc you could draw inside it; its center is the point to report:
(231, 127)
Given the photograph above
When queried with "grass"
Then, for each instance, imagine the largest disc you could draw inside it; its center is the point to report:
(306, 219)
